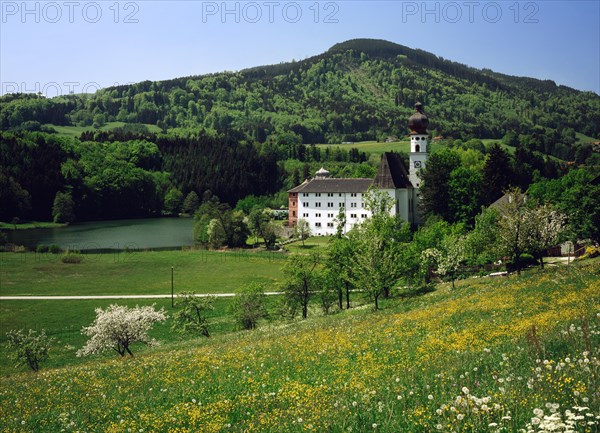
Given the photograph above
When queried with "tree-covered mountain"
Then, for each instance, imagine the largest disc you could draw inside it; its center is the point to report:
(231, 132)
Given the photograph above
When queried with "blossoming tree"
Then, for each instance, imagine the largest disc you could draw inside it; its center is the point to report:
(118, 327)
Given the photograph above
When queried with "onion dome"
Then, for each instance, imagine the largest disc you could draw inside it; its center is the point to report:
(418, 122)
(322, 174)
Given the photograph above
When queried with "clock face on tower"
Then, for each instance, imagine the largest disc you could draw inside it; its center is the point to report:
(417, 164)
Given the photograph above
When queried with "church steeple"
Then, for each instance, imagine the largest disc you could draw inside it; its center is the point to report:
(418, 123)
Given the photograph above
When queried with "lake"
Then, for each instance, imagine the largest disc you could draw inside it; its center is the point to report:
(115, 235)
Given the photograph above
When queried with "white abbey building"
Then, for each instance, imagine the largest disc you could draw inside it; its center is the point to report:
(319, 200)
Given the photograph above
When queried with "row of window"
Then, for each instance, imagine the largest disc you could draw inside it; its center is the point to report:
(331, 204)
(330, 224)
(331, 194)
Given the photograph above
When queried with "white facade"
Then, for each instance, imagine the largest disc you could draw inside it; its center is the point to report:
(321, 209)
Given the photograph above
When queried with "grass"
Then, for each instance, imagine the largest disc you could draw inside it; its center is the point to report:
(63, 321)
(314, 243)
(582, 138)
(31, 225)
(137, 273)
(75, 131)
(480, 358)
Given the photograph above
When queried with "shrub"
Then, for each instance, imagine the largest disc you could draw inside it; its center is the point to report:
(72, 258)
(42, 249)
(591, 252)
(55, 249)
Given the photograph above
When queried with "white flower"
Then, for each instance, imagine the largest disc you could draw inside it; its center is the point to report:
(430, 397)
(460, 417)
(374, 425)
(465, 390)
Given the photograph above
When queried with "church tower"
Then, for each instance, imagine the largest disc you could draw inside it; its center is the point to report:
(419, 140)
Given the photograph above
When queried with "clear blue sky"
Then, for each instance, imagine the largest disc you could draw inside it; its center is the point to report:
(62, 45)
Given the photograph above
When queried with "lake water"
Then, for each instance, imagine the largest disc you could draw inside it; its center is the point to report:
(117, 234)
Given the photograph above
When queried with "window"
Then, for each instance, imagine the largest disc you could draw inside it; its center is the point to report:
(352, 215)
(353, 194)
(329, 215)
(329, 224)
(352, 204)
(318, 194)
(293, 203)
(340, 194)
(294, 213)
(304, 194)
(317, 224)
(304, 215)
(417, 147)
(329, 194)
(364, 215)
(318, 204)
(341, 204)
(318, 215)
(329, 204)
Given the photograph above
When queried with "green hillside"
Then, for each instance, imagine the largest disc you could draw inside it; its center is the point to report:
(119, 152)
(492, 355)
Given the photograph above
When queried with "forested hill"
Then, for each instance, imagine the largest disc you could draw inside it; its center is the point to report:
(249, 132)
(360, 89)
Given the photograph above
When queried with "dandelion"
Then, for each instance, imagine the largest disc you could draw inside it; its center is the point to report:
(465, 390)
(439, 426)
(430, 397)
(460, 417)
(374, 425)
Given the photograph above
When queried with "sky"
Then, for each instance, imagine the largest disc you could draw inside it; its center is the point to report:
(58, 47)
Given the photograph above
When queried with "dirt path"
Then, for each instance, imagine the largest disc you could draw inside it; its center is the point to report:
(63, 298)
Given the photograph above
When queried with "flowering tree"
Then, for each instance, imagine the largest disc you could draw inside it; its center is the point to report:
(31, 348)
(524, 227)
(448, 258)
(544, 228)
(118, 327)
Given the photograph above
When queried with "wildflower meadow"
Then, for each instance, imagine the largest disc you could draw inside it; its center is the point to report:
(516, 354)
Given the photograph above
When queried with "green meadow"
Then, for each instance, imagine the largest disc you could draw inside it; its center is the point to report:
(137, 273)
(75, 131)
(493, 355)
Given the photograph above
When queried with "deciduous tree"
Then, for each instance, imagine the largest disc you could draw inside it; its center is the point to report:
(192, 316)
(31, 348)
(118, 327)
(249, 306)
(302, 275)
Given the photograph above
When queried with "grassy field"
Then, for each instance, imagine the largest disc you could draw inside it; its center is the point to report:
(30, 225)
(314, 243)
(136, 273)
(480, 358)
(75, 131)
(63, 320)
